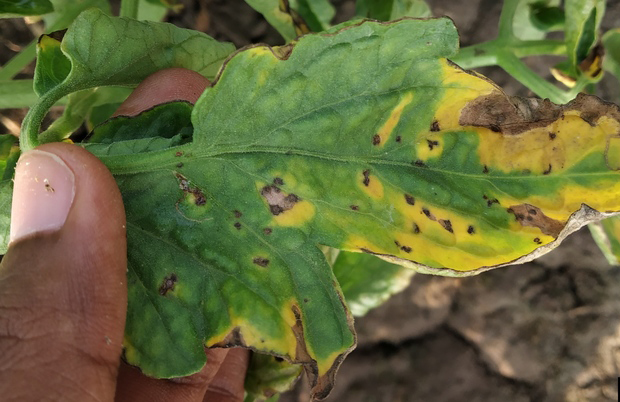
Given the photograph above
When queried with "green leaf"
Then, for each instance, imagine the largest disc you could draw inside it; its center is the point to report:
(282, 17)
(531, 20)
(91, 45)
(18, 94)
(52, 66)
(317, 13)
(386, 10)
(606, 233)
(268, 376)
(583, 18)
(152, 10)
(66, 11)
(547, 18)
(611, 43)
(367, 281)
(9, 153)
(429, 166)
(21, 8)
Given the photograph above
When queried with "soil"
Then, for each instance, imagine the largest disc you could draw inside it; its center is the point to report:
(544, 331)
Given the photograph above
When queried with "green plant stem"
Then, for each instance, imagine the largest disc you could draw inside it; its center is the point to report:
(19, 61)
(522, 73)
(506, 18)
(29, 138)
(485, 54)
(129, 8)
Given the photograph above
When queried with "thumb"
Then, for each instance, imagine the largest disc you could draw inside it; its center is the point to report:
(62, 282)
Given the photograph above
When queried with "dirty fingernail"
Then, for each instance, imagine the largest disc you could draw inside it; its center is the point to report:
(43, 194)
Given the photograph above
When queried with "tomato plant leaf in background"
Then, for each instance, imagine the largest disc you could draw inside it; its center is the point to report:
(367, 281)
(611, 44)
(316, 13)
(431, 167)
(583, 19)
(282, 17)
(9, 153)
(606, 234)
(52, 66)
(22, 8)
(268, 376)
(66, 11)
(534, 18)
(392, 9)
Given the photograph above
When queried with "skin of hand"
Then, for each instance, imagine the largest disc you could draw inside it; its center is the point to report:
(63, 289)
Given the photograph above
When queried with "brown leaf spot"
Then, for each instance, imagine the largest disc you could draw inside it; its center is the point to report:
(237, 225)
(179, 153)
(260, 261)
(354, 207)
(278, 181)
(406, 249)
(446, 225)
(410, 200)
(492, 201)
(267, 231)
(184, 184)
(376, 139)
(485, 170)
(552, 136)
(548, 170)
(398, 138)
(416, 228)
(278, 202)
(471, 230)
(366, 180)
(529, 215)
(537, 240)
(419, 163)
(180, 165)
(237, 213)
(168, 284)
(435, 126)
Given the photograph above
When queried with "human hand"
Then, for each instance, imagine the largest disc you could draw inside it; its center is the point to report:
(63, 291)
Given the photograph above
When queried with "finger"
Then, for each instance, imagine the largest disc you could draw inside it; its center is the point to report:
(227, 386)
(62, 281)
(133, 386)
(164, 86)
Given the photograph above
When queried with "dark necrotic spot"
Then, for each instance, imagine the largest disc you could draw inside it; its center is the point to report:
(471, 230)
(365, 250)
(179, 153)
(278, 202)
(435, 126)
(446, 225)
(410, 200)
(237, 213)
(260, 261)
(168, 284)
(426, 212)
(278, 359)
(354, 207)
(485, 170)
(432, 144)
(237, 225)
(180, 164)
(305, 300)
(491, 202)
(397, 243)
(495, 128)
(278, 181)
(419, 163)
(532, 211)
(406, 249)
(366, 180)
(537, 240)
(548, 170)
(267, 231)
(398, 138)
(552, 136)
(416, 228)
(376, 139)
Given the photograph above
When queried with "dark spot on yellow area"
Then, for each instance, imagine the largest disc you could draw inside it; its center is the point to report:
(537, 240)
(410, 200)
(376, 139)
(432, 144)
(354, 207)
(184, 184)
(278, 181)
(267, 231)
(552, 136)
(416, 228)
(435, 126)
(471, 230)
(366, 180)
(419, 163)
(237, 225)
(530, 215)
(406, 249)
(446, 225)
(179, 153)
(397, 243)
(180, 164)
(398, 138)
(495, 128)
(428, 214)
(237, 213)
(168, 284)
(278, 202)
(260, 261)
(548, 170)
(485, 170)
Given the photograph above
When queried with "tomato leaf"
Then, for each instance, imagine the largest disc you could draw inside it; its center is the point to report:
(282, 17)
(268, 376)
(316, 13)
(606, 233)
(386, 10)
(9, 153)
(583, 18)
(22, 8)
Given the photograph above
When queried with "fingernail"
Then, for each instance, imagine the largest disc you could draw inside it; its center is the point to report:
(42, 195)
